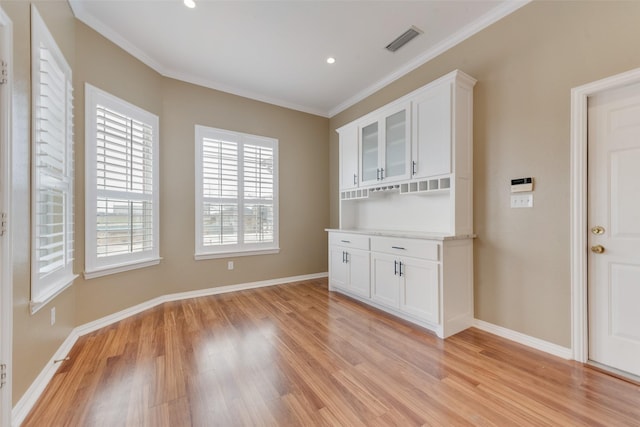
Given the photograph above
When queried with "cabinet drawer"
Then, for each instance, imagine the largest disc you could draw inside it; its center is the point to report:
(355, 241)
(416, 248)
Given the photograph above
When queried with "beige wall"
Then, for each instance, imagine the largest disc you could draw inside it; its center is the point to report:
(35, 340)
(526, 65)
(304, 168)
(104, 65)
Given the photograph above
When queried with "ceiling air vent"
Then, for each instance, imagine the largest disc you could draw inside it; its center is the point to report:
(404, 38)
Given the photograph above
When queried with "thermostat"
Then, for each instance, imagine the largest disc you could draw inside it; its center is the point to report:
(519, 185)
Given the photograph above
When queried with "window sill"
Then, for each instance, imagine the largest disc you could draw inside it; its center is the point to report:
(120, 268)
(214, 255)
(35, 306)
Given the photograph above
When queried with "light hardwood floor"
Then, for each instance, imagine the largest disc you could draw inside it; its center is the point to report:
(297, 354)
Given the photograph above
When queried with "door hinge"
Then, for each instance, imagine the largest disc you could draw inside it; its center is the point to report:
(3, 224)
(4, 72)
(3, 375)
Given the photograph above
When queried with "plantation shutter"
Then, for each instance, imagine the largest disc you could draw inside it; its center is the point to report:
(220, 206)
(124, 184)
(121, 185)
(236, 193)
(52, 261)
(258, 193)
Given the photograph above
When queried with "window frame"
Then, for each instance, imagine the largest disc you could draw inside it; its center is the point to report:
(94, 265)
(203, 252)
(46, 287)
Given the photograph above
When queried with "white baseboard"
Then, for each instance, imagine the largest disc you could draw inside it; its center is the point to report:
(529, 341)
(128, 312)
(30, 397)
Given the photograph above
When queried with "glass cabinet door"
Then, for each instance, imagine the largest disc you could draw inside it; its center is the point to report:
(369, 152)
(396, 144)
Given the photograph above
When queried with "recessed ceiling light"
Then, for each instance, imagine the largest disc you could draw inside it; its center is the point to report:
(190, 3)
(331, 60)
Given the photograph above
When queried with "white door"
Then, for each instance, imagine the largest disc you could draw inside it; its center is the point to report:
(6, 298)
(614, 229)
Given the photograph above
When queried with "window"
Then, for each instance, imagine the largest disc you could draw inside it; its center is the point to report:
(121, 167)
(52, 171)
(236, 194)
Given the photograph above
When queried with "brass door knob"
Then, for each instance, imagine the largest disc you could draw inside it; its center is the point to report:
(597, 249)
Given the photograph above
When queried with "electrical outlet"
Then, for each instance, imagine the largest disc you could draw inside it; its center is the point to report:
(230, 265)
(522, 200)
(53, 316)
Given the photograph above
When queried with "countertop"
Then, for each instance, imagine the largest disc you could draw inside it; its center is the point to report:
(403, 234)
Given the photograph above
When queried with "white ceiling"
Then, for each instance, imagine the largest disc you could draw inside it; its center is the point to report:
(275, 51)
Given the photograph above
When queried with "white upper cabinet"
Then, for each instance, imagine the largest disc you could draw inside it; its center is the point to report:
(384, 145)
(432, 131)
(348, 156)
(414, 162)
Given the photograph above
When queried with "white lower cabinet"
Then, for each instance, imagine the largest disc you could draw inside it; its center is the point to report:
(426, 281)
(407, 284)
(349, 266)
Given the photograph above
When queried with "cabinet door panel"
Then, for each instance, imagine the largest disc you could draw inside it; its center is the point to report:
(419, 289)
(432, 132)
(369, 152)
(338, 273)
(384, 283)
(359, 273)
(349, 157)
(396, 142)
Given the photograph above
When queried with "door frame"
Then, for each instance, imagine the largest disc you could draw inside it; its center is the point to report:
(6, 278)
(579, 192)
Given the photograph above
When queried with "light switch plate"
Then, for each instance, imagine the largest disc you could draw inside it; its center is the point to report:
(522, 200)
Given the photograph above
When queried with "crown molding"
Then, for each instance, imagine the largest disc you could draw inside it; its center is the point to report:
(79, 11)
(464, 33)
(210, 84)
